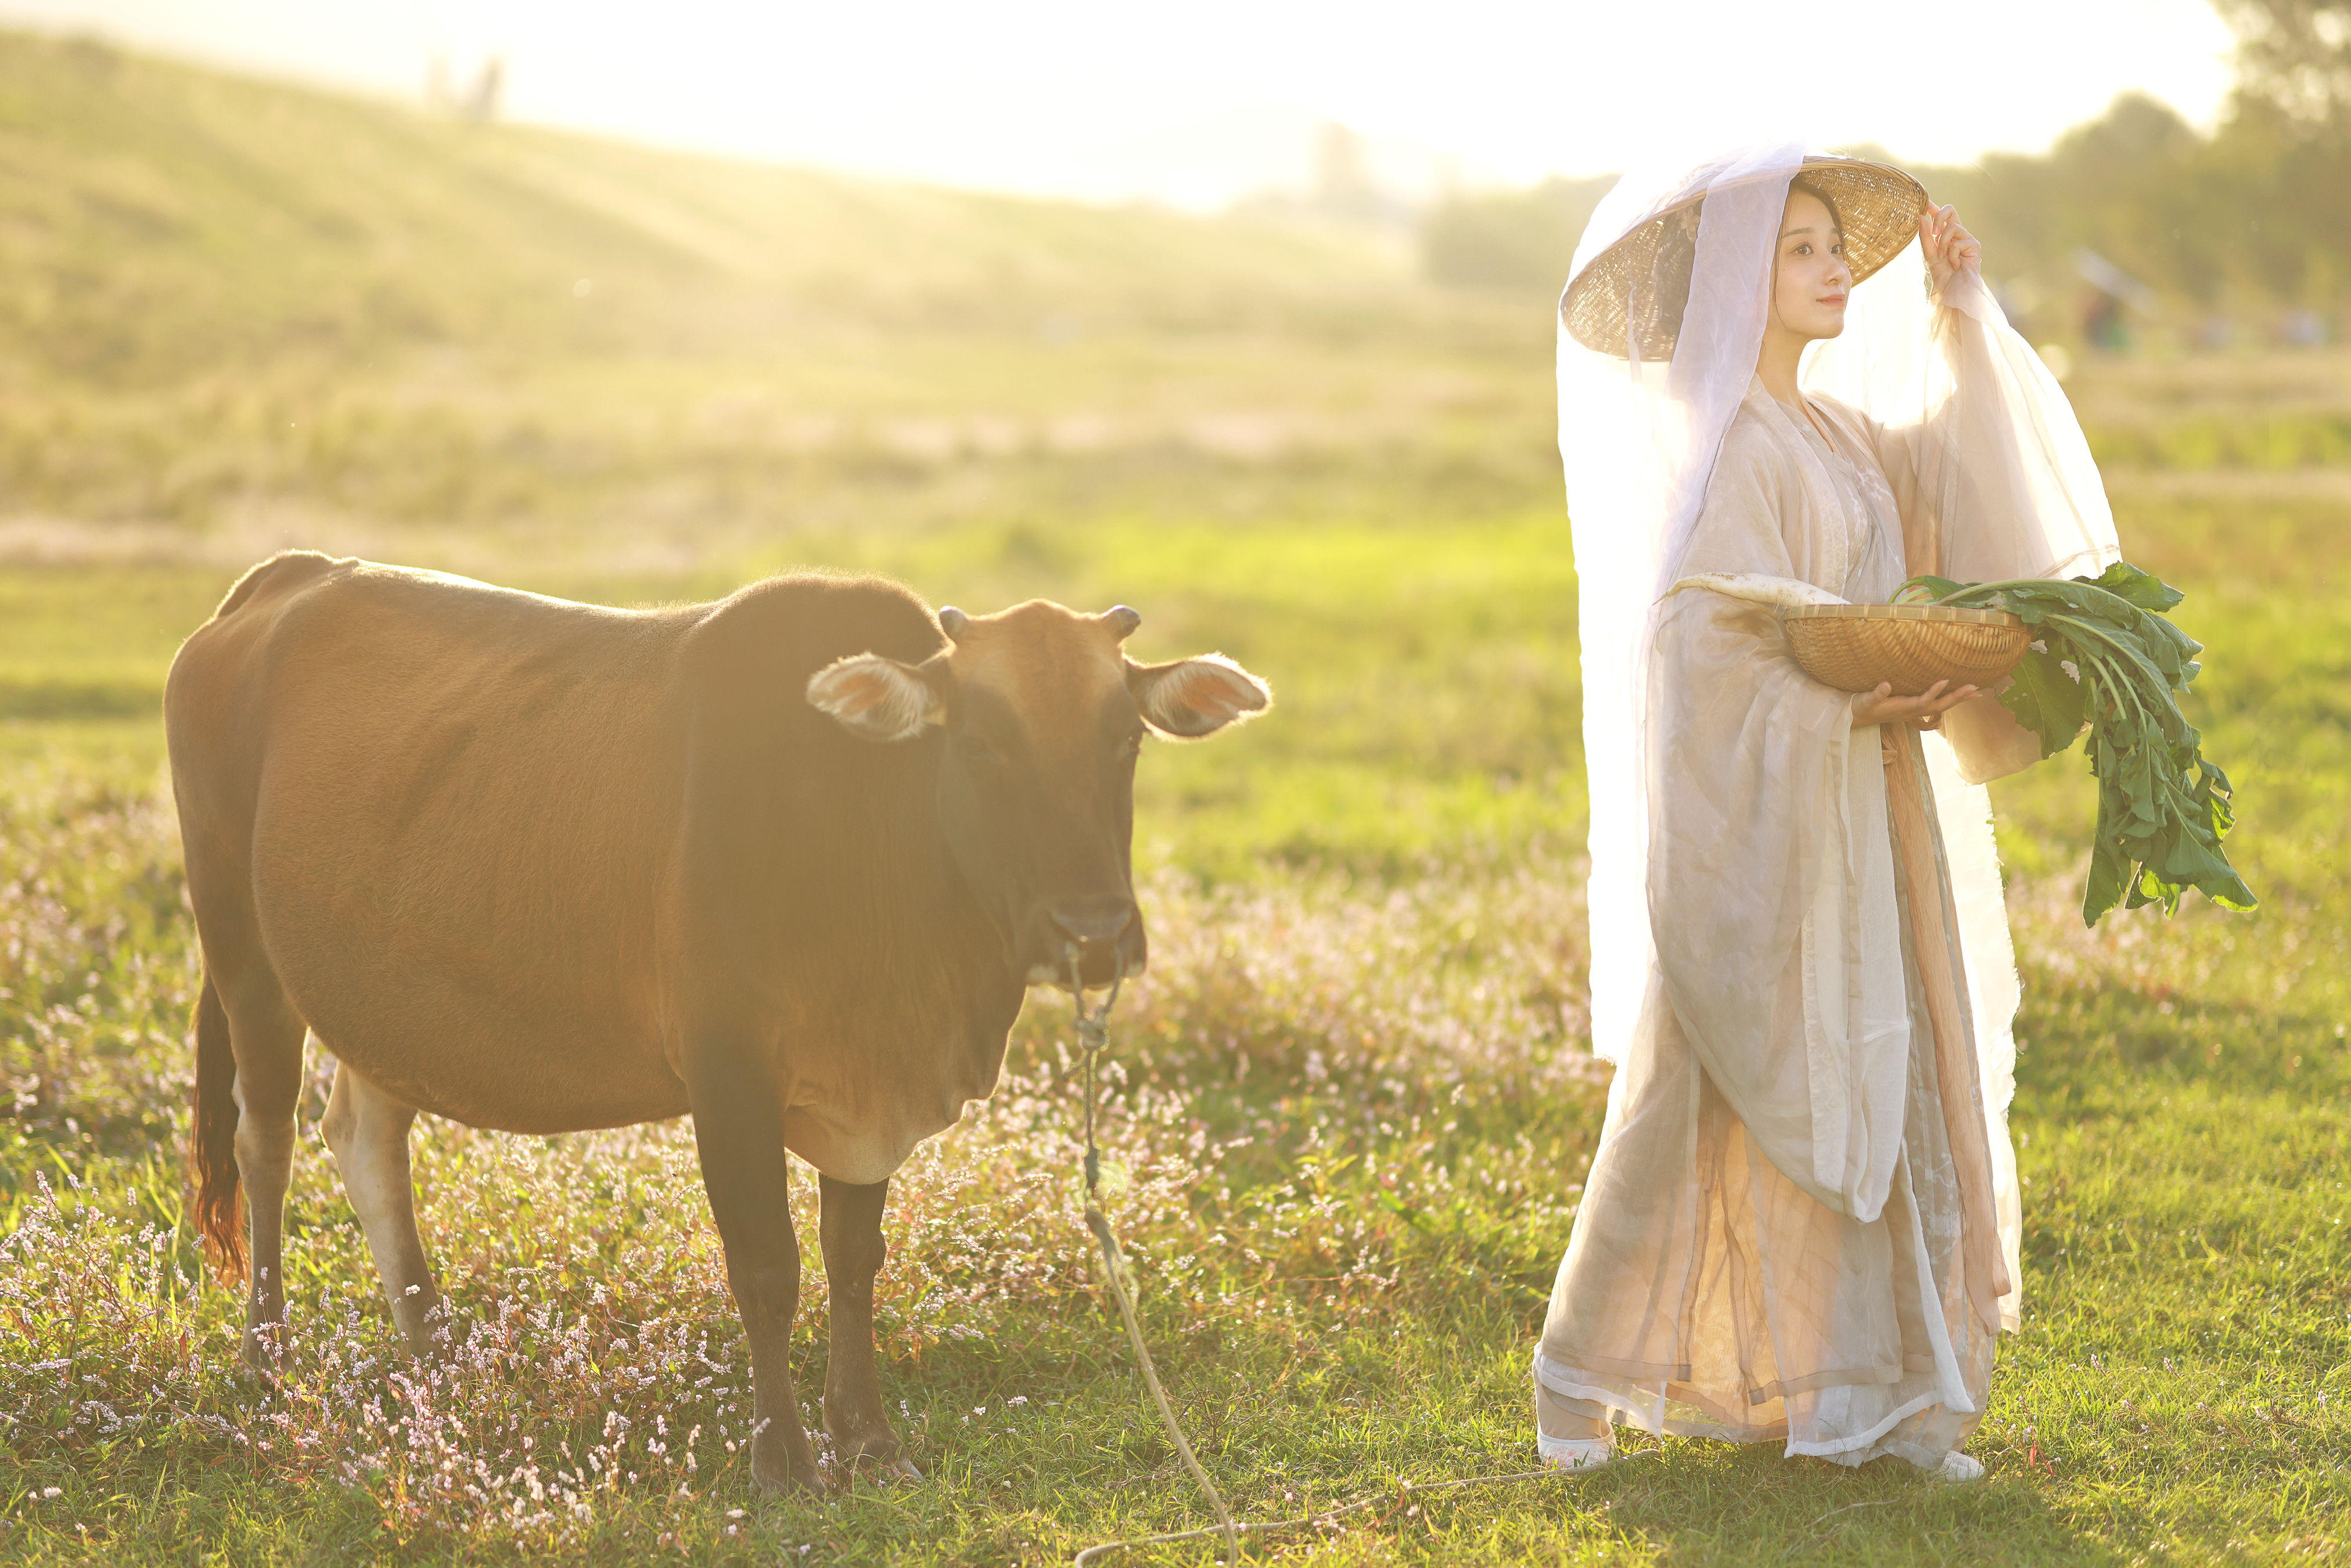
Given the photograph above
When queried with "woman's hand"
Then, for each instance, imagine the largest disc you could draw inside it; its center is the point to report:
(1949, 248)
(1926, 710)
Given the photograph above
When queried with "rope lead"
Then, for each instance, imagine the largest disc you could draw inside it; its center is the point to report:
(1093, 1039)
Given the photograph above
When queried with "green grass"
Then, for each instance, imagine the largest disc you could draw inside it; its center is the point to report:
(1352, 1101)
(1352, 1112)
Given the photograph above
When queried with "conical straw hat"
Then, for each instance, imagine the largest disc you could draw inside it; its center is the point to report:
(1631, 294)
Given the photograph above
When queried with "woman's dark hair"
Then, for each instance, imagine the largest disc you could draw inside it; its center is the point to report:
(1835, 217)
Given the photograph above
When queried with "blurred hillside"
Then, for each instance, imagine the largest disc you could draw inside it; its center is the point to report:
(247, 314)
(158, 220)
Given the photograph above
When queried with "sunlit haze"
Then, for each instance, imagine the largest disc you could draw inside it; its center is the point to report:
(1199, 104)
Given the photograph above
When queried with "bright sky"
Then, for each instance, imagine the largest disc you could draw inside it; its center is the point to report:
(1198, 103)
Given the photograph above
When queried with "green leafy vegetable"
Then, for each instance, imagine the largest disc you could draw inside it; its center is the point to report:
(2104, 657)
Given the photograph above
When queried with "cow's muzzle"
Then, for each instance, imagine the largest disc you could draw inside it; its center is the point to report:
(1105, 932)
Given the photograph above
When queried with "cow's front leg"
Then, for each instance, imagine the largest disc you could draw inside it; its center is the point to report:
(367, 1131)
(739, 1130)
(851, 1231)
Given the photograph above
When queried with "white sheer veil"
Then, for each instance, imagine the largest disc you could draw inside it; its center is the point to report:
(1639, 438)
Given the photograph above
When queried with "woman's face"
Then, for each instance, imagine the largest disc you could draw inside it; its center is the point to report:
(1810, 279)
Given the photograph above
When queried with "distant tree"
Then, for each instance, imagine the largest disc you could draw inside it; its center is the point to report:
(2284, 155)
(2200, 220)
(2295, 57)
(1513, 240)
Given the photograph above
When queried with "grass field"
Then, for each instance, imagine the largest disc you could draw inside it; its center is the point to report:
(1351, 1103)
(1354, 1110)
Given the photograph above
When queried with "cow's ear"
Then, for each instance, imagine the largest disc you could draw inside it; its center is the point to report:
(876, 698)
(1192, 698)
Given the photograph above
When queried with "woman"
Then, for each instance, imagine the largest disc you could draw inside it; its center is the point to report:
(1801, 1226)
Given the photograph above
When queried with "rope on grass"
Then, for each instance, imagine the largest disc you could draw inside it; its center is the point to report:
(1092, 1554)
(1093, 1038)
(1114, 1263)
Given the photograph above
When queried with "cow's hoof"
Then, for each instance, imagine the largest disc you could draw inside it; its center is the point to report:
(895, 1470)
(878, 1459)
(775, 1468)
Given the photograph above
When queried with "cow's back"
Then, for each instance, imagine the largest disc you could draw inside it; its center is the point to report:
(450, 808)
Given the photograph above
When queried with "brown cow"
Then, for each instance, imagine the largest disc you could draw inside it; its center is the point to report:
(788, 862)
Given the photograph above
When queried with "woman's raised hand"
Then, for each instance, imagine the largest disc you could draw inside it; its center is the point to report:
(1950, 248)
(1926, 710)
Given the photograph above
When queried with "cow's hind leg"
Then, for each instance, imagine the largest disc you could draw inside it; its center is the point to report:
(266, 1036)
(739, 1131)
(367, 1131)
(850, 1233)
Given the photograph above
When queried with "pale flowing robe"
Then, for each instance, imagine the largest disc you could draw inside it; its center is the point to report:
(1801, 1223)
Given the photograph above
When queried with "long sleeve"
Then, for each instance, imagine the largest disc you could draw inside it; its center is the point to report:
(1994, 481)
(1997, 480)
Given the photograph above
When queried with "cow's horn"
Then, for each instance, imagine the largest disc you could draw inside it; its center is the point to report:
(952, 622)
(1123, 619)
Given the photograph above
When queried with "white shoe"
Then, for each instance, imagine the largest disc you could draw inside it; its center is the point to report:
(1958, 1468)
(1574, 1453)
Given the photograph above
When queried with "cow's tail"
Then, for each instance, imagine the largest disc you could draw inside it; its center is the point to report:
(211, 1141)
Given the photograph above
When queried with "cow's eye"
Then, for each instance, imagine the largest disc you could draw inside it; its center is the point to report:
(1130, 746)
(978, 750)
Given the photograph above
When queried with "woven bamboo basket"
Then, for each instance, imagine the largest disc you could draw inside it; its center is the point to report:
(1856, 647)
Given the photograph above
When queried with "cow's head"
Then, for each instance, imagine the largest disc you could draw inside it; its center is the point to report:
(1044, 715)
